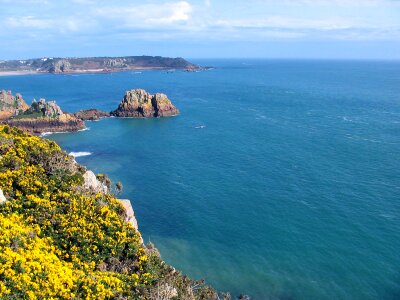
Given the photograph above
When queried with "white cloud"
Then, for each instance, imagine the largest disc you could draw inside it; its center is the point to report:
(171, 13)
(176, 19)
(145, 15)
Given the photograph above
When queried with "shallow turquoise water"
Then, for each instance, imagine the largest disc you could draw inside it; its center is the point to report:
(280, 179)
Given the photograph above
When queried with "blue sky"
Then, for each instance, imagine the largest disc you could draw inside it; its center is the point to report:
(201, 28)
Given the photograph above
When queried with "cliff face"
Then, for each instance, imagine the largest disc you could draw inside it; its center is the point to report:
(140, 104)
(11, 105)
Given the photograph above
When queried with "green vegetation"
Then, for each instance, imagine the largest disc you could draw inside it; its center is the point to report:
(60, 241)
(35, 115)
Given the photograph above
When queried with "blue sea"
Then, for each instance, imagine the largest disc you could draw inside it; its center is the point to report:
(280, 179)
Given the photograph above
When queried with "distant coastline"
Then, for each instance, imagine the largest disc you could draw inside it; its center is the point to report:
(95, 65)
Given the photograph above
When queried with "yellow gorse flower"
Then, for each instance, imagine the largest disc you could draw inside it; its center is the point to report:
(56, 241)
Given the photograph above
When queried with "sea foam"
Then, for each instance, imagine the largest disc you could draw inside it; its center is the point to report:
(80, 154)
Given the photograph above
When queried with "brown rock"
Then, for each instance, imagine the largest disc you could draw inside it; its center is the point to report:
(45, 116)
(140, 104)
(91, 114)
(64, 123)
(11, 106)
(163, 106)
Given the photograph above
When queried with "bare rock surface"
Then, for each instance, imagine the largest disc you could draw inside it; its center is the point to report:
(140, 104)
(92, 183)
(11, 105)
(2, 197)
(91, 114)
(44, 116)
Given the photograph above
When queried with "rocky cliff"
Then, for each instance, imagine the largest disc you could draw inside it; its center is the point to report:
(11, 105)
(41, 117)
(64, 123)
(140, 104)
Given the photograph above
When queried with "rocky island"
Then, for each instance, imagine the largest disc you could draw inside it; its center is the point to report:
(140, 104)
(56, 65)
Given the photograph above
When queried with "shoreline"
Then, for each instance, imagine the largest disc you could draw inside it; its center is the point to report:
(19, 73)
(93, 71)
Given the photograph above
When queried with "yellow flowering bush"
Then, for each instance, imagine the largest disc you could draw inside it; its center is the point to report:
(59, 241)
(54, 237)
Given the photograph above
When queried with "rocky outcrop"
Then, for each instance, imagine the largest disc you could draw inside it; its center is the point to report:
(11, 105)
(61, 66)
(2, 197)
(64, 123)
(91, 114)
(45, 116)
(91, 183)
(130, 215)
(48, 109)
(140, 104)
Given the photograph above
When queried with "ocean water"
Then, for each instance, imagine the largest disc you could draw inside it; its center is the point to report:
(280, 179)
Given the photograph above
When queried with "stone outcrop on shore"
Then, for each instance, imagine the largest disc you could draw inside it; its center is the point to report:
(40, 117)
(11, 105)
(140, 104)
(64, 123)
(45, 116)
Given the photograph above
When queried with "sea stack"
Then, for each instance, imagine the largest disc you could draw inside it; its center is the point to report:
(140, 104)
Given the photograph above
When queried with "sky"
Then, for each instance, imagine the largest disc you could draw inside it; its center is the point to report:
(333, 29)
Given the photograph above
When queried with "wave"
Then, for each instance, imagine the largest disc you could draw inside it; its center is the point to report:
(43, 134)
(200, 127)
(80, 154)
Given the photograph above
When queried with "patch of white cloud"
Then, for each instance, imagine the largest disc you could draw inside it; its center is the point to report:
(233, 20)
(147, 15)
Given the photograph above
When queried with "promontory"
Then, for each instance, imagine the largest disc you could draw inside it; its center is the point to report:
(57, 65)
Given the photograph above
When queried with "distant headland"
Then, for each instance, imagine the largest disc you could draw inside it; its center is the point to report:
(57, 65)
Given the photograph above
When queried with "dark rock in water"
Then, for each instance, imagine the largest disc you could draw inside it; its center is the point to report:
(91, 114)
(11, 106)
(140, 104)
